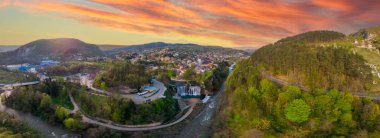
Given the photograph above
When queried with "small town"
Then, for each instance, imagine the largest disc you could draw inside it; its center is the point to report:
(189, 69)
(180, 79)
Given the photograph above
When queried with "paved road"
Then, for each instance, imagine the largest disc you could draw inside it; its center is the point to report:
(76, 108)
(136, 98)
(90, 121)
(20, 84)
(284, 83)
(120, 127)
(130, 128)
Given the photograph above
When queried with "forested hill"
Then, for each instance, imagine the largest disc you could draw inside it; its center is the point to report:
(313, 37)
(302, 60)
(329, 67)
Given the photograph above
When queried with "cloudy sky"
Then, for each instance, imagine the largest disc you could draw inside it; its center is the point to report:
(231, 23)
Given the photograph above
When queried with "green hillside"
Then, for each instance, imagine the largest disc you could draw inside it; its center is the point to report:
(331, 69)
(309, 64)
(313, 37)
(256, 107)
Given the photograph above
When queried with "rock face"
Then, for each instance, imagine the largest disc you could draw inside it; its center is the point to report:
(56, 49)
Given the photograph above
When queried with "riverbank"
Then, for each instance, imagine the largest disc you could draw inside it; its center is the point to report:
(47, 130)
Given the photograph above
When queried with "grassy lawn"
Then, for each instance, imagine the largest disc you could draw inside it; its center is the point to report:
(64, 102)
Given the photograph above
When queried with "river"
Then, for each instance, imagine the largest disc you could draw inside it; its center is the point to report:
(47, 130)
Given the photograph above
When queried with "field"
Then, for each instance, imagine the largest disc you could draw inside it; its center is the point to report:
(63, 102)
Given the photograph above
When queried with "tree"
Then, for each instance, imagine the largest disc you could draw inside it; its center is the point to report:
(61, 113)
(189, 73)
(103, 86)
(298, 111)
(172, 73)
(69, 123)
(46, 102)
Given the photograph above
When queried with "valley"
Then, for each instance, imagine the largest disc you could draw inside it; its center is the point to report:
(189, 69)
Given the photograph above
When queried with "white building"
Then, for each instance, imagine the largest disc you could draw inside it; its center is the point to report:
(13, 67)
(191, 91)
(194, 91)
(85, 80)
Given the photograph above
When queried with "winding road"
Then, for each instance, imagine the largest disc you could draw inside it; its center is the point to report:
(132, 128)
(284, 83)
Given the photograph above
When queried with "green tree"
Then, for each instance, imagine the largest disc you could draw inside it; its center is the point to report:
(189, 73)
(46, 102)
(69, 123)
(103, 86)
(298, 111)
(61, 113)
(172, 73)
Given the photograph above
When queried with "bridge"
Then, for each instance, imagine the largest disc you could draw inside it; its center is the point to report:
(11, 86)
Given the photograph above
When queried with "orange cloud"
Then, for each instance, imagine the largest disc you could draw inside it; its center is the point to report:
(5, 3)
(242, 22)
(341, 5)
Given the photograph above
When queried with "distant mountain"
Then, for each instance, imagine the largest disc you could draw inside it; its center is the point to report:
(176, 46)
(56, 49)
(106, 47)
(8, 48)
(145, 46)
(64, 49)
(246, 49)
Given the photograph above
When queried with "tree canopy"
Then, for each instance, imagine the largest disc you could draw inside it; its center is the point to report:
(298, 111)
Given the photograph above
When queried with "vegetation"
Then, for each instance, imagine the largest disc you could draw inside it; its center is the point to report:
(10, 127)
(298, 111)
(9, 77)
(256, 104)
(189, 74)
(210, 80)
(123, 73)
(213, 80)
(313, 37)
(70, 68)
(314, 66)
(49, 101)
(124, 111)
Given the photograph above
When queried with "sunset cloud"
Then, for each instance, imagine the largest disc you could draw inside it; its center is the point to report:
(4, 3)
(240, 22)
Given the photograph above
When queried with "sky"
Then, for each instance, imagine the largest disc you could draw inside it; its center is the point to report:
(229, 23)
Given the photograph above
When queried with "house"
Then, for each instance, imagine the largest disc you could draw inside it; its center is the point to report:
(49, 62)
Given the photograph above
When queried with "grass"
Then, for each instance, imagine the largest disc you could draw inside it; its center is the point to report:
(64, 102)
